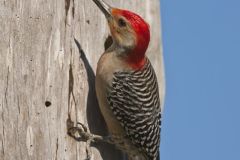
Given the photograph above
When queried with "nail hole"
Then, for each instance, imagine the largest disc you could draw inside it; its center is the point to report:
(48, 103)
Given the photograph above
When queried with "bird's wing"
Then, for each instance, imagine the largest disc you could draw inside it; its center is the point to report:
(134, 100)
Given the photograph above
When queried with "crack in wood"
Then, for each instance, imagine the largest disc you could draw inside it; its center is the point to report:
(3, 120)
(28, 112)
(108, 42)
(70, 83)
(49, 130)
(6, 90)
(3, 132)
(18, 104)
(56, 157)
(30, 140)
(70, 87)
(67, 5)
(3, 149)
(18, 139)
(73, 9)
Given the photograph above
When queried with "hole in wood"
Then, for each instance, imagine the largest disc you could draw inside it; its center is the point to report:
(48, 103)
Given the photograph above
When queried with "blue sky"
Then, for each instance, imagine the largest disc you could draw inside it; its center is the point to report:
(201, 43)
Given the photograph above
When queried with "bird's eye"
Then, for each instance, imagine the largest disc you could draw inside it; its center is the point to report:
(121, 23)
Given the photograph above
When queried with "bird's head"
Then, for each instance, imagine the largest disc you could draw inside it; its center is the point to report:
(130, 33)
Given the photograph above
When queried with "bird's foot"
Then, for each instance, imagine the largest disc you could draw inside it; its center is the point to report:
(80, 134)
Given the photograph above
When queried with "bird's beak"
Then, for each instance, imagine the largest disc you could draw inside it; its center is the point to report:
(104, 7)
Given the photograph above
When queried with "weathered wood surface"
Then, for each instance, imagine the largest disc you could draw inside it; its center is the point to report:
(48, 56)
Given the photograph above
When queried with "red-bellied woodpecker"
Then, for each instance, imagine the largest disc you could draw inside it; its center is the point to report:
(126, 86)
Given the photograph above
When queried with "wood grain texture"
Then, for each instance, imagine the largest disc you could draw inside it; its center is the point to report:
(48, 55)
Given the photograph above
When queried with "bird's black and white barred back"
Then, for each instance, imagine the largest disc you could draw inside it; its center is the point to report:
(134, 100)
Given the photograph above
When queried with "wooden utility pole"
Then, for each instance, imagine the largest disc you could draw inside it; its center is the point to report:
(48, 55)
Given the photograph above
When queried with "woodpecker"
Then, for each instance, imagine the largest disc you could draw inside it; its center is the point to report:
(127, 88)
(126, 85)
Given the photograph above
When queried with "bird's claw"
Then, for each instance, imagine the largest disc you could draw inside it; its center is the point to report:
(78, 133)
(83, 126)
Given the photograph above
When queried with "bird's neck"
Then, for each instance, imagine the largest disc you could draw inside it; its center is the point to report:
(135, 57)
